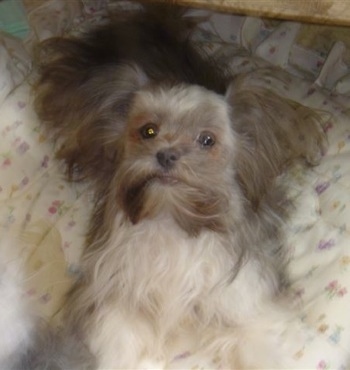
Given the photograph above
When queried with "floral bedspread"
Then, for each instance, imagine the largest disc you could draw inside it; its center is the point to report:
(49, 216)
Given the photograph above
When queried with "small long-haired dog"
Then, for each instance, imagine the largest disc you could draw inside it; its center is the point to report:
(185, 239)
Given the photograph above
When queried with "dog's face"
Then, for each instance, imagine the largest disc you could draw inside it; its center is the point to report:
(178, 157)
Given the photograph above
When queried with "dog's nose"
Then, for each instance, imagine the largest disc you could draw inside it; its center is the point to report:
(167, 158)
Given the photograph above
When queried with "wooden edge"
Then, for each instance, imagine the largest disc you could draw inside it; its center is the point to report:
(330, 12)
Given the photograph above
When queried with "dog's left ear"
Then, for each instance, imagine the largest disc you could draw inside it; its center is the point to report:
(83, 98)
(272, 131)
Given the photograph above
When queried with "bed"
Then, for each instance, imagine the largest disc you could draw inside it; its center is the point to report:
(48, 215)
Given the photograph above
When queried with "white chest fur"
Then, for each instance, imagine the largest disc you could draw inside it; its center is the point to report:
(153, 280)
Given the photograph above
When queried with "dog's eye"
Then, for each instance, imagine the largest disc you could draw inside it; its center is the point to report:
(206, 139)
(149, 131)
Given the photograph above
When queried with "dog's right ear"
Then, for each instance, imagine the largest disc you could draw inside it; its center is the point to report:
(273, 131)
(83, 101)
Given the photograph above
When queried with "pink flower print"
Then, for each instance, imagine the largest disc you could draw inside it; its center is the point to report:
(66, 245)
(54, 207)
(52, 210)
(6, 161)
(272, 49)
(322, 365)
(328, 126)
(23, 148)
(31, 292)
(57, 206)
(334, 289)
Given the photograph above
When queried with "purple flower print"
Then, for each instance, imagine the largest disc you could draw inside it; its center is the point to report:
(181, 356)
(71, 224)
(22, 148)
(24, 182)
(45, 161)
(322, 187)
(325, 244)
(21, 104)
(45, 298)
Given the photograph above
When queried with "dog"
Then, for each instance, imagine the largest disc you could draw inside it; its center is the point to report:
(186, 236)
(17, 320)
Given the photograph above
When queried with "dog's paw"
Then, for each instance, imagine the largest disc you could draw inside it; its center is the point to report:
(315, 148)
(312, 140)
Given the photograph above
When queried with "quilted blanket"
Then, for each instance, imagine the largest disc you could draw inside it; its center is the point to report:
(49, 215)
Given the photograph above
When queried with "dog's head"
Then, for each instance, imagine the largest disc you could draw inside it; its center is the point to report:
(177, 158)
(167, 148)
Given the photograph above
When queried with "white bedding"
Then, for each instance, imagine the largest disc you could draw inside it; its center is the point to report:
(49, 216)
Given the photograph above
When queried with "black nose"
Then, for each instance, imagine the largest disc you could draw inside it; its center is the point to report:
(167, 158)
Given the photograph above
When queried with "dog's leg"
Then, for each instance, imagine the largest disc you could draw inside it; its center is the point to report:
(266, 341)
(253, 328)
(121, 340)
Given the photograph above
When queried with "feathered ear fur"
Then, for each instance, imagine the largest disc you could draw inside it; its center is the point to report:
(273, 132)
(85, 106)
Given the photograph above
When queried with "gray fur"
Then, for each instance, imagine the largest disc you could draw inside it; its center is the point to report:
(53, 349)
